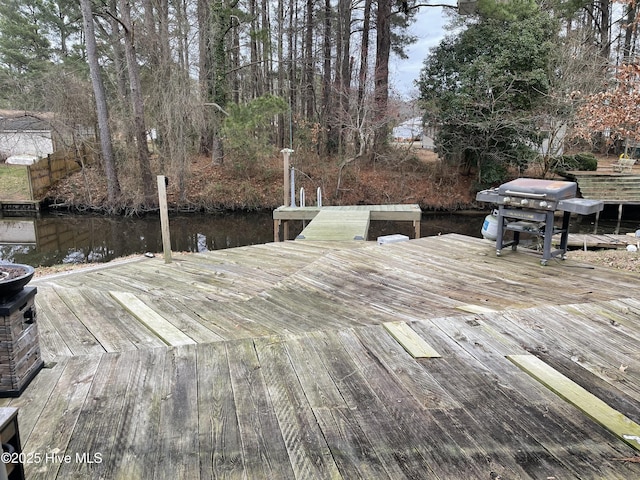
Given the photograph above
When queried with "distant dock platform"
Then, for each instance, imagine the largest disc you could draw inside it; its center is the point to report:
(343, 223)
(22, 207)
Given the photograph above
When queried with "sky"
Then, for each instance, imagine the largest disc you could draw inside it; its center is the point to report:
(429, 30)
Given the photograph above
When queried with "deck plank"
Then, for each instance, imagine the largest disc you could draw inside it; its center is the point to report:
(403, 412)
(337, 225)
(263, 447)
(414, 344)
(33, 400)
(219, 438)
(308, 451)
(94, 443)
(558, 438)
(155, 322)
(138, 429)
(111, 336)
(396, 450)
(178, 439)
(611, 419)
(56, 422)
(52, 342)
(72, 335)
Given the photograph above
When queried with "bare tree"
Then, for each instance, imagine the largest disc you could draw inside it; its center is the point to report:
(137, 104)
(111, 175)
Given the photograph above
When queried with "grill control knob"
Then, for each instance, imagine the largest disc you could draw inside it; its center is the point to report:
(524, 201)
(543, 204)
(506, 199)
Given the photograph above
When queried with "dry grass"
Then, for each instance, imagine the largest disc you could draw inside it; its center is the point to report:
(14, 183)
(618, 259)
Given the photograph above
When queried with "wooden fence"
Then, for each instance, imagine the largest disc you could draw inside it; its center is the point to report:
(58, 165)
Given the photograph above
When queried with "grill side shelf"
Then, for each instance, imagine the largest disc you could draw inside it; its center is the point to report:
(581, 206)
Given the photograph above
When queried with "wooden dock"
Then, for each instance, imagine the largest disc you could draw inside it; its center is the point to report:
(593, 241)
(609, 187)
(341, 223)
(429, 358)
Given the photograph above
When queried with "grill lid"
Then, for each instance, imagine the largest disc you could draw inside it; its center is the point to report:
(536, 188)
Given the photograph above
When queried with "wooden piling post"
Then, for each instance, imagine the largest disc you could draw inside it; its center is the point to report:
(286, 152)
(164, 218)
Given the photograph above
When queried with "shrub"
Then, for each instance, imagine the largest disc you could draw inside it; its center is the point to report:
(579, 161)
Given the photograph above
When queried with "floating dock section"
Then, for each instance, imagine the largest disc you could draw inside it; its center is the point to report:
(342, 223)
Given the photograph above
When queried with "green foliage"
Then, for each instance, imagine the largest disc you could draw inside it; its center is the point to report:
(37, 36)
(493, 173)
(580, 161)
(482, 87)
(247, 128)
(511, 11)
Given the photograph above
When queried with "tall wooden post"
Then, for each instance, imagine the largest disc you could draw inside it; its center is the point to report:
(286, 152)
(164, 218)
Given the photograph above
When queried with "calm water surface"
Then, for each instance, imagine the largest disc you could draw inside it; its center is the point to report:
(54, 239)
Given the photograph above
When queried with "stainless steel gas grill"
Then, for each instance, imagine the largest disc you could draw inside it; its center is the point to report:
(528, 205)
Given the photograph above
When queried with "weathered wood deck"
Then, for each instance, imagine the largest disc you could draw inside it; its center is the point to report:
(589, 241)
(278, 361)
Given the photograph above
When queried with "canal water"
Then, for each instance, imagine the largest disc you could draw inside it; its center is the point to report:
(52, 239)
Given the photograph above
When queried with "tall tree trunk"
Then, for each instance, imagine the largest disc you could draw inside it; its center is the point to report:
(605, 27)
(363, 76)
(381, 74)
(137, 104)
(309, 96)
(326, 80)
(630, 28)
(234, 58)
(293, 103)
(345, 70)
(205, 78)
(111, 175)
(254, 89)
(267, 51)
(280, 141)
(214, 20)
(119, 63)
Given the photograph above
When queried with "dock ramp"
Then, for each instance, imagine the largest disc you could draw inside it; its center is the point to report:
(340, 225)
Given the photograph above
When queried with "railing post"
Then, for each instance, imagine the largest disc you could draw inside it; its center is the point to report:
(286, 152)
(164, 218)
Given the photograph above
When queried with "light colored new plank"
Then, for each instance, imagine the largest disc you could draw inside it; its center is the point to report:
(337, 225)
(475, 309)
(614, 421)
(413, 343)
(154, 321)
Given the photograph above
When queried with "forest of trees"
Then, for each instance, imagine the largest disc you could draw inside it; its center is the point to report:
(205, 76)
(247, 78)
(525, 80)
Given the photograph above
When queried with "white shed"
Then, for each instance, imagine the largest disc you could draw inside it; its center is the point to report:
(24, 134)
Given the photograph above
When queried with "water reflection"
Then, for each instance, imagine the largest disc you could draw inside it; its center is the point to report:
(81, 239)
(55, 239)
